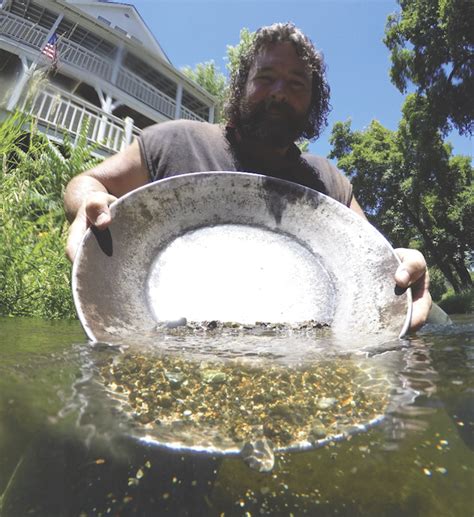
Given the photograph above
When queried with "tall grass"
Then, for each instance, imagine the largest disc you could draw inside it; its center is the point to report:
(34, 272)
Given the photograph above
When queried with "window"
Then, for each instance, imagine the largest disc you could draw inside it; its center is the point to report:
(123, 31)
(103, 20)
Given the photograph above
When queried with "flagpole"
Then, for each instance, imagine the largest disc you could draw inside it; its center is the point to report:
(28, 71)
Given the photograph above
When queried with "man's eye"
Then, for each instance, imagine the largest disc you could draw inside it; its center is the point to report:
(264, 78)
(297, 85)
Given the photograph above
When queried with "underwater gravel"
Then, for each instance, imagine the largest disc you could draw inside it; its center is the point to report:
(243, 402)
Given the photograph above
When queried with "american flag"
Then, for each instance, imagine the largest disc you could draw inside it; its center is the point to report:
(50, 50)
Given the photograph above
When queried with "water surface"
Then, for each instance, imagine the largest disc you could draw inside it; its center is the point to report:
(65, 449)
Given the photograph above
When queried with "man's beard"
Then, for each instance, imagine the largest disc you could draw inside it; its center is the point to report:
(273, 123)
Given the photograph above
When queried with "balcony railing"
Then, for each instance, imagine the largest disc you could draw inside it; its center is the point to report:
(140, 89)
(21, 30)
(27, 33)
(61, 111)
(34, 36)
(77, 56)
(190, 115)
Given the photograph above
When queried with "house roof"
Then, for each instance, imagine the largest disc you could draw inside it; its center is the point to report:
(125, 18)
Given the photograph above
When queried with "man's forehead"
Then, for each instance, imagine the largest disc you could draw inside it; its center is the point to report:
(280, 53)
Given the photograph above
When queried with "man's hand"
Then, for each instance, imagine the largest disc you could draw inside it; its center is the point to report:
(88, 195)
(412, 272)
(94, 211)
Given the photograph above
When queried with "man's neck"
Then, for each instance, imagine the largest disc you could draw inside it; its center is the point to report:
(258, 151)
(263, 150)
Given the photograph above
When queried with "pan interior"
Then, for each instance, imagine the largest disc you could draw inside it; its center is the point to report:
(239, 273)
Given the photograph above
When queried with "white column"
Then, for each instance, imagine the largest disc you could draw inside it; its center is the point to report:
(28, 70)
(179, 98)
(117, 64)
(101, 96)
(211, 114)
(128, 132)
(106, 104)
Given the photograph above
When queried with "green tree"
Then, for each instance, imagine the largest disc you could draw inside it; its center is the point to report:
(235, 51)
(412, 188)
(408, 181)
(440, 189)
(209, 77)
(431, 44)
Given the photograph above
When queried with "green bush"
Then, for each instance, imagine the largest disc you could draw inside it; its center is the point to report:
(462, 303)
(34, 272)
(438, 285)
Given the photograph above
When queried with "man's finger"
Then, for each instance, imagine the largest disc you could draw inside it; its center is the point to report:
(412, 268)
(97, 209)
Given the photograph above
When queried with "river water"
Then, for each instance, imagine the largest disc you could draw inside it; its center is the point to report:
(66, 450)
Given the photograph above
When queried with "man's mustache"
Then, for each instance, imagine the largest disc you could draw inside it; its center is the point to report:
(271, 106)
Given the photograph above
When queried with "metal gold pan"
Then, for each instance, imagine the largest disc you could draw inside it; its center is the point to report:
(235, 247)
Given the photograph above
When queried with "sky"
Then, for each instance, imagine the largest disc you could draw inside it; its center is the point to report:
(348, 32)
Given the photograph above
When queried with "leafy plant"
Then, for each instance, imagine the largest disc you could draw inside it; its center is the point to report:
(438, 285)
(34, 272)
(431, 44)
(209, 77)
(462, 303)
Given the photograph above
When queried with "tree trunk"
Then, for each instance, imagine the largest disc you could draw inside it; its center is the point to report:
(442, 263)
(464, 276)
(448, 273)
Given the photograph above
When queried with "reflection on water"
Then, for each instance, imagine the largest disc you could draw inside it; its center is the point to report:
(69, 448)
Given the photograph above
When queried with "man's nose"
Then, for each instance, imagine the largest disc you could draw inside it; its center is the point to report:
(278, 91)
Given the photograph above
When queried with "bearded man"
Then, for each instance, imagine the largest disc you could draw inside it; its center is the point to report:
(278, 95)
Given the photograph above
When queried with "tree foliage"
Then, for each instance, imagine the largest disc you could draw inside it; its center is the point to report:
(412, 188)
(408, 181)
(209, 77)
(432, 46)
(235, 51)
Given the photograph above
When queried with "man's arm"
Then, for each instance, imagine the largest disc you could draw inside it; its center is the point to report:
(412, 272)
(88, 195)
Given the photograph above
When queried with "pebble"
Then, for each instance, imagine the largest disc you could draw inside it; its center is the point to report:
(326, 402)
(213, 376)
(242, 402)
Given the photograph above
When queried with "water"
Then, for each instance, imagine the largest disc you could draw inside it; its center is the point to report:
(66, 450)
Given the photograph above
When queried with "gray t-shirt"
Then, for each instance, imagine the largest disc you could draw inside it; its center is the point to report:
(183, 146)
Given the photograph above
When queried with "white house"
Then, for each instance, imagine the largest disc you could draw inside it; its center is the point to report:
(105, 67)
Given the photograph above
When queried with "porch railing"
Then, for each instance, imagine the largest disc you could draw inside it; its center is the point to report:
(30, 34)
(190, 115)
(33, 35)
(61, 111)
(21, 30)
(149, 95)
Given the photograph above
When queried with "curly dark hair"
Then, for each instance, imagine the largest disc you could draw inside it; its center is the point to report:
(276, 33)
